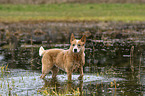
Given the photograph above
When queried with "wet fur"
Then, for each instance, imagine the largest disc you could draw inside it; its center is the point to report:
(67, 60)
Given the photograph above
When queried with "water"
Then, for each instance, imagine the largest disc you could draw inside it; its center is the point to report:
(26, 82)
(114, 59)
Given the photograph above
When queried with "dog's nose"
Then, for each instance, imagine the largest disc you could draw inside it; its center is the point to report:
(75, 50)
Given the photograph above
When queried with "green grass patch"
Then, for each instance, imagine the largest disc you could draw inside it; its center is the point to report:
(73, 12)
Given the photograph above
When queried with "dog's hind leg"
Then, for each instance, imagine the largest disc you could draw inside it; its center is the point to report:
(47, 65)
(46, 70)
(54, 71)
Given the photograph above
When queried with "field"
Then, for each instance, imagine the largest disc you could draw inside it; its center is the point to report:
(72, 12)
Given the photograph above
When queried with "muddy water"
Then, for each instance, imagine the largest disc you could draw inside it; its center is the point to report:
(114, 58)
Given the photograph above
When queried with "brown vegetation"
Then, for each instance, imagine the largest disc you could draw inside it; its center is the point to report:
(67, 1)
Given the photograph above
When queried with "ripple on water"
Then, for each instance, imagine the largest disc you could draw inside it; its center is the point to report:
(1, 57)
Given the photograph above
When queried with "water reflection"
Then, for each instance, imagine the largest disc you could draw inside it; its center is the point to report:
(55, 87)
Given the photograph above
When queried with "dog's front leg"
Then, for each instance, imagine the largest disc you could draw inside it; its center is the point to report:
(81, 73)
(69, 75)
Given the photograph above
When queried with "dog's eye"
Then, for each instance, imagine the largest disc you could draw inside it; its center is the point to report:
(79, 45)
(73, 44)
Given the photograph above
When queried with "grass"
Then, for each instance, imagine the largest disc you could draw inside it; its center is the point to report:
(3, 70)
(72, 12)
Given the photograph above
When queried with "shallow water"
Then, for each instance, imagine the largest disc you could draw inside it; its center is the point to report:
(26, 82)
(114, 59)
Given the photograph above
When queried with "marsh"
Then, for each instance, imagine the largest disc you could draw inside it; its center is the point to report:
(114, 58)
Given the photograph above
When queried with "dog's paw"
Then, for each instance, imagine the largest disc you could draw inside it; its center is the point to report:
(42, 77)
(80, 77)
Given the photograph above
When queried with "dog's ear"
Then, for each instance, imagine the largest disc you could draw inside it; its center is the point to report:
(72, 37)
(83, 39)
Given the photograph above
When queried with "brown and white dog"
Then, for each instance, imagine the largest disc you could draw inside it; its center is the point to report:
(67, 60)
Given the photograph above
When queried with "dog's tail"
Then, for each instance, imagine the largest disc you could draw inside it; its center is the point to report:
(41, 51)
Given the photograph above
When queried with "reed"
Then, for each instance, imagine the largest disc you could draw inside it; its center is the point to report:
(4, 70)
(131, 58)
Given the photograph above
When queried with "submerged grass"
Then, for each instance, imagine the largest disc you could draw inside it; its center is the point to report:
(50, 91)
(73, 12)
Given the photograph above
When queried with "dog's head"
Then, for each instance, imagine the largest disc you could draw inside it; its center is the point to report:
(77, 46)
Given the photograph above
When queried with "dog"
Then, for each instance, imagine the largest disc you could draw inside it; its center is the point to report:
(67, 60)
